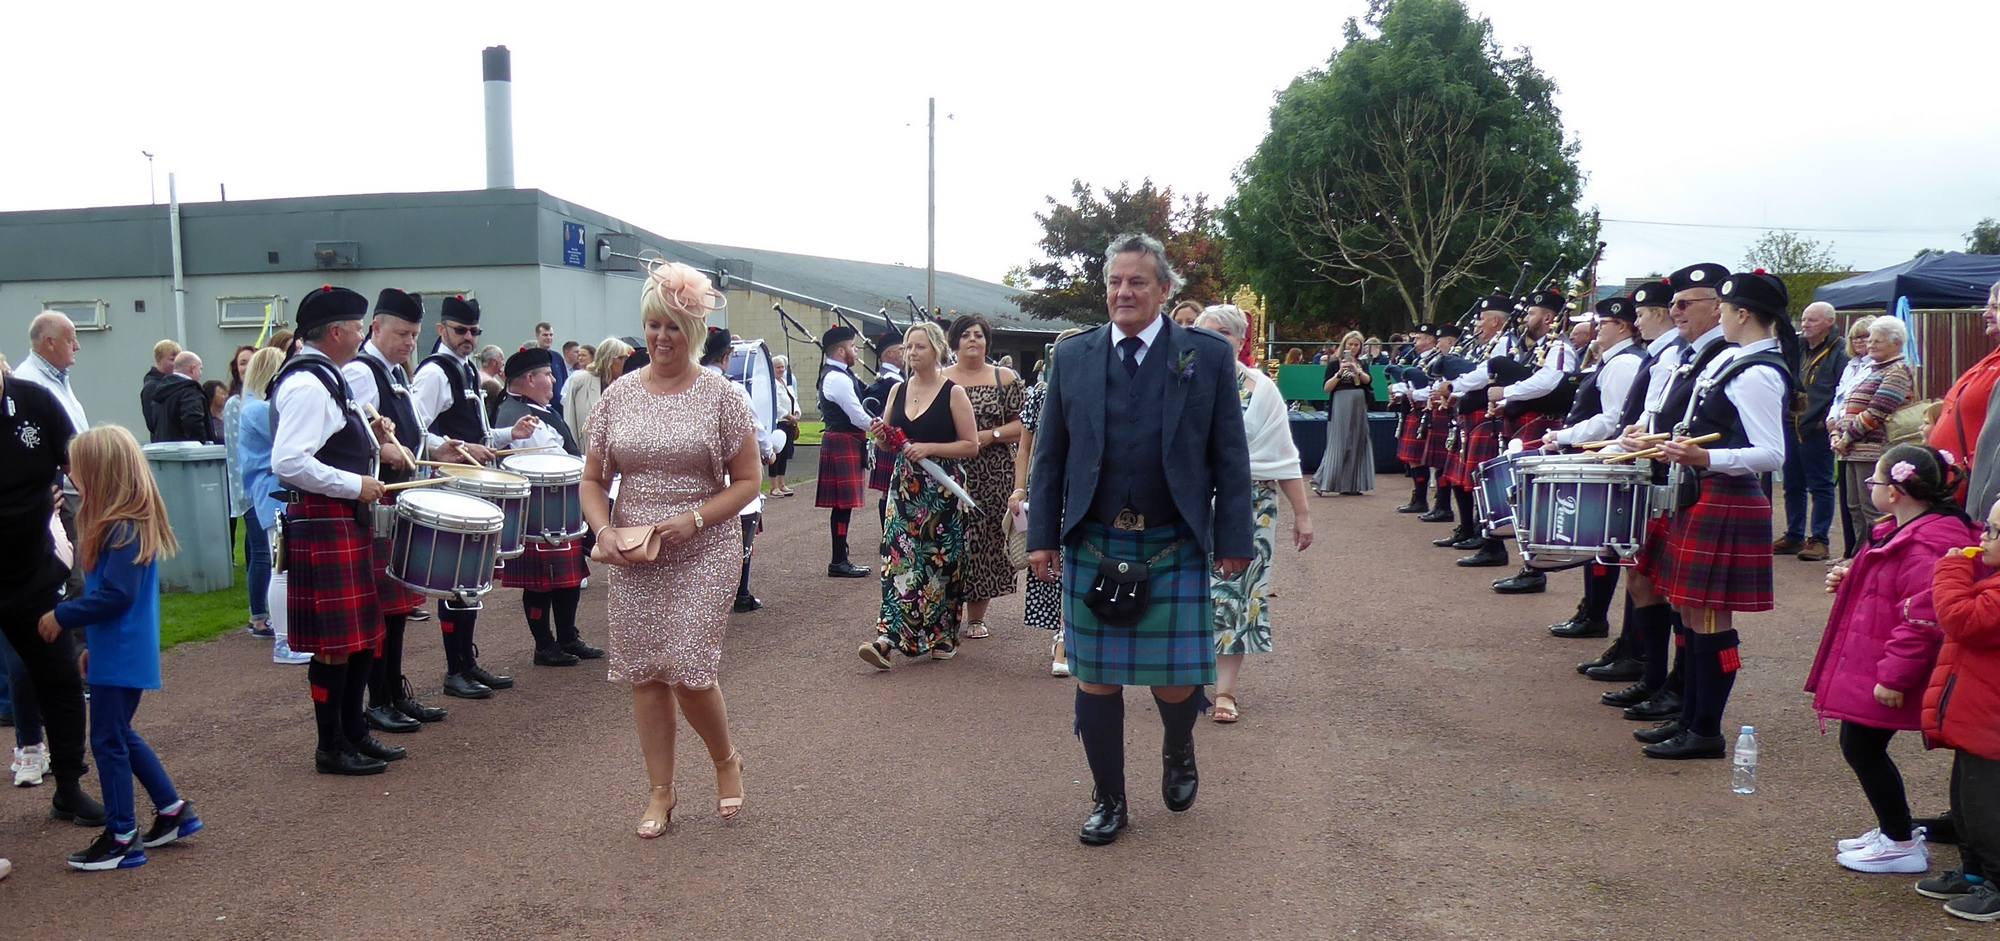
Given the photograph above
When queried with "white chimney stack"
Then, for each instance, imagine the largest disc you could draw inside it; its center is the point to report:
(498, 70)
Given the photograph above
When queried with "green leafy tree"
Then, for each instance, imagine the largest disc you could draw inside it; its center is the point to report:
(1984, 239)
(1411, 175)
(1804, 264)
(1068, 282)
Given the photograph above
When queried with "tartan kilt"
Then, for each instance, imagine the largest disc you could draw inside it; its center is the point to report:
(1721, 548)
(878, 475)
(1409, 447)
(1481, 443)
(1435, 455)
(843, 470)
(1530, 427)
(545, 567)
(330, 594)
(390, 595)
(1655, 558)
(1174, 644)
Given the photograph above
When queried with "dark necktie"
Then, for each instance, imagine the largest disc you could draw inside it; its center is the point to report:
(471, 378)
(396, 373)
(1128, 353)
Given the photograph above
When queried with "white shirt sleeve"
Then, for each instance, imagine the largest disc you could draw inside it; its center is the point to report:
(544, 436)
(362, 381)
(842, 394)
(310, 416)
(430, 393)
(1614, 387)
(1759, 397)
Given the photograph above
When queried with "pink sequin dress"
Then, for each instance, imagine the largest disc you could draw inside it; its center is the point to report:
(671, 452)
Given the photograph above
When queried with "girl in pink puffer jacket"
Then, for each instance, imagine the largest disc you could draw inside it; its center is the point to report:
(1882, 640)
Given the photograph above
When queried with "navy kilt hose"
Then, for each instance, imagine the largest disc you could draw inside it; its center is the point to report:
(843, 470)
(330, 595)
(1436, 455)
(1409, 447)
(1721, 547)
(1174, 644)
(545, 567)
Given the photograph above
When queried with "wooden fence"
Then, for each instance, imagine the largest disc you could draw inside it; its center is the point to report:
(1950, 341)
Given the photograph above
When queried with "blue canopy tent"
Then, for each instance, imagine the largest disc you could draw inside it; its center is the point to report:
(1953, 279)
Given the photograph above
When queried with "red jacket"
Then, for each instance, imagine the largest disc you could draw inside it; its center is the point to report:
(1962, 705)
(1957, 428)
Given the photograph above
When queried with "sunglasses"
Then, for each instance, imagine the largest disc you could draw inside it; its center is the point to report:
(1685, 304)
(465, 331)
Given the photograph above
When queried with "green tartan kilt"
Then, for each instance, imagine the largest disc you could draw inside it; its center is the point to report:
(1174, 644)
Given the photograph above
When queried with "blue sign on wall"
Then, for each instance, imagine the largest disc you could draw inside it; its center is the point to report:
(573, 244)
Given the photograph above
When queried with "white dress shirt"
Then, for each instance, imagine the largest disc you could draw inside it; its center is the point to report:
(1689, 354)
(1146, 338)
(1759, 397)
(544, 435)
(309, 418)
(1477, 378)
(1666, 349)
(1614, 386)
(362, 380)
(1561, 361)
(38, 371)
(842, 394)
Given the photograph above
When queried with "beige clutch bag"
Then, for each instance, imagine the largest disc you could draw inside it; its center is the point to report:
(635, 543)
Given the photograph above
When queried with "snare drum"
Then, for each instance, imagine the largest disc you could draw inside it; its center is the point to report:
(445, 544)
(555, 508)
(1576, 512)
(1492, 493)
(507, 491)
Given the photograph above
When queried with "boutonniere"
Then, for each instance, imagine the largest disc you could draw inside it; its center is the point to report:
(1186, 367)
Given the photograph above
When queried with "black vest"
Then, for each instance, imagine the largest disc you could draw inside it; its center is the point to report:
(1472, 403)
(465, 419)
(1590, 398)
(1133, 472)
(1681, 392)
(1556, 401)
(513, 407)
(1715, 414)
(1635, 403)
(394, 397)
(352, 448)
(836, 417)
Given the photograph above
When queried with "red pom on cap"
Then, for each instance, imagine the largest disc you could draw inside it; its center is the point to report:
(458, 297)
(1758, 271)
(326, 287)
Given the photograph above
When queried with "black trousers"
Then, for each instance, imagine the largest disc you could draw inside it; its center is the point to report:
(58, 687)
(1866, 749)
(1975, 808)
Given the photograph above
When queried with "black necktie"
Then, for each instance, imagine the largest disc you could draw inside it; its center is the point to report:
(471, 378)
(396, 373)
(1128, 352)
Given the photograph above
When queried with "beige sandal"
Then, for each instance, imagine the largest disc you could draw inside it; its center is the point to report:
(650, 826)
(729, 794)
(977, 631)
(1225, 709)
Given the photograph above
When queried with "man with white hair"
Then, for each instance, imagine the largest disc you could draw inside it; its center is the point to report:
(180, 408)
(1808, 453)
(52, 350)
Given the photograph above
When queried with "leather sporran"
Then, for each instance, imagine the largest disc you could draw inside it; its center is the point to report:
(1123, 589)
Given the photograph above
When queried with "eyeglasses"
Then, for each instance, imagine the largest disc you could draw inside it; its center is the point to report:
(1873, 482)
(465, 331)
(1992, 531)
(1690, 302)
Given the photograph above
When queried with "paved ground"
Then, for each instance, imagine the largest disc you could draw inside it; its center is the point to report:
(1419, 761)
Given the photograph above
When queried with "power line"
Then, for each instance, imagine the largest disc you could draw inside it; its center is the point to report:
(1792, 228)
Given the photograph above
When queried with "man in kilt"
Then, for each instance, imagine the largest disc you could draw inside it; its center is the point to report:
(888, 373)
(378, 382)
(1478, 432)
(1533, 407)
(843, 447)
(324, 452)
(1141, 476)
(1670, 391)
(1412, 395)
(550, 576)
(1436, 425)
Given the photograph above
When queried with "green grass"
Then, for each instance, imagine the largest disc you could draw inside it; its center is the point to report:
(809, 432)
(185, 618)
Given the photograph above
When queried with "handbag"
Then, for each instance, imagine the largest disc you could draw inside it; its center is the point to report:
(1017, 539)
(635, 543)
(1123, 588)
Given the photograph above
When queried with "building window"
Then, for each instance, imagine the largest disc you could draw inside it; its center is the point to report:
(87, 315)
(249, 311)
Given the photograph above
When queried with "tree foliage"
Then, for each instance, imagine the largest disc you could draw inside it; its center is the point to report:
(1068, 282)
(1984, 239)
(1802, 263)
(1407, 177)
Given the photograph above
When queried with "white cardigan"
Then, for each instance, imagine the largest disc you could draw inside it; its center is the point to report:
(1273, 456)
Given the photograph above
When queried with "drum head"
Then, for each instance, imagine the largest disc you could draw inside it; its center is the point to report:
(456, 512)
(478, 476)
(545, 468)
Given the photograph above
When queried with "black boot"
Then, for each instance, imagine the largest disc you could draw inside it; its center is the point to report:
(71, 803)
(1179, 779)
(1525, 582)
(1419, 498)
(1441, 511)
(1590, 620)
(1492, 552)
(1100, 725)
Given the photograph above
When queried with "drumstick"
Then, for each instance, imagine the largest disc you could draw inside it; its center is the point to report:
(412, 484)
(373, 415)
(1656, 452)
(1594, 445)
(446, 464)
(546, 447)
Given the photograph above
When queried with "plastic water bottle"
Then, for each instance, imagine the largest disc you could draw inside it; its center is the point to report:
(1743, 775)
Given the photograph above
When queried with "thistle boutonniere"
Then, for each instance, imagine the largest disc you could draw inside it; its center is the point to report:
(1186, 366)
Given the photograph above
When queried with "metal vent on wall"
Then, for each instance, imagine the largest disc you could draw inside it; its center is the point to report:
(336, 254)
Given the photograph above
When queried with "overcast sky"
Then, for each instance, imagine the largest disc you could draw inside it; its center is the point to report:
(801, 127)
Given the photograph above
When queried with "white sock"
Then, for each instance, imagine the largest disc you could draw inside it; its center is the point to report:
(173, 808)
(128, 836)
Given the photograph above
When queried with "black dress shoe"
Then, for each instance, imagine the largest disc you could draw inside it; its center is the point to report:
(1178, 778)
(1484, 559)
(347, 762)
(746, 604)
(371, 747)
(1629, 696)
(1621, 670)
(1523, 583)
(465, 687)
(555, 657)
(490, 680)
(387, 719)
(1474, 541)
(1107, 817)
(418, 615)
(846, 570)
(1450, 542)
(1655, 734)
(1665, 704)
(580, 650)
(1685, 746)
(1415, 506)
(1574, 630)
(419, 711)
(1442, 514)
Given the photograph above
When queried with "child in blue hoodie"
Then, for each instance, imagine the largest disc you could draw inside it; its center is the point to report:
(122, 533)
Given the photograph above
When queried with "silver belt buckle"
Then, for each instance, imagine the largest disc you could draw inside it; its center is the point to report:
(1129, 521)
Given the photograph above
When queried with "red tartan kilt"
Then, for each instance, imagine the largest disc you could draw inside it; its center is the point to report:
(1409, 447)
(545, 568)
(330, 595)
(1435, 455)
(878, 479)
(1655, 559)
(1721, 548)
(390, 594)
(843, 470)
(1529, 428)
(1481, 437)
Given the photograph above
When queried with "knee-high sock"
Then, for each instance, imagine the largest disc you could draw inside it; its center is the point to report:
(326, 682)
(385, 674)
(563, 602)
(1100, 725)
(535, 604)
(749, 540)
(1716, 659)
(456, 628)
(354, 687)
(466, 648)
(1466, 521)
(1600, 586)
(1677, 678)
(840, 519)
(1177, 719)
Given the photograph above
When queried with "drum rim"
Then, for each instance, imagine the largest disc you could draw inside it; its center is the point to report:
(514, 489)
(414, 511)
(571, 472)
(1593, 474)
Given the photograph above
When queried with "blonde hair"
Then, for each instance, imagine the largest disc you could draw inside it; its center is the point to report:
(165, 349)
(264, 366)
(1355, 336)
(610, 351)
(683, 295)
(933, 333)
(111, 473)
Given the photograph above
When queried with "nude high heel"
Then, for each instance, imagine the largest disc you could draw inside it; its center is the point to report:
(729, 786)
(651, 827)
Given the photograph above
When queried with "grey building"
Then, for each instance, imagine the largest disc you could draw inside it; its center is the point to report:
(524, 254)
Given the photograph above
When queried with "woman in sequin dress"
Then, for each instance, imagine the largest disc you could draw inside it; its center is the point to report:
(683, 446)
(997, 396)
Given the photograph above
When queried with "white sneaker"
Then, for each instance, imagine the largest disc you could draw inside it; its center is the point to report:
(1887, 855)
(282, 652)
(585, 583)
(30, 765)
(1860, 842)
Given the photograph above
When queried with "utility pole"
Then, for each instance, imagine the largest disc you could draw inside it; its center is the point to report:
(152, 194)
(930, 264)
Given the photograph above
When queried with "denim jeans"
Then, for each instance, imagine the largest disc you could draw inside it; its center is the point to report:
(1808, 472)
(122, 755)
(27, 712)
(257, 566)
